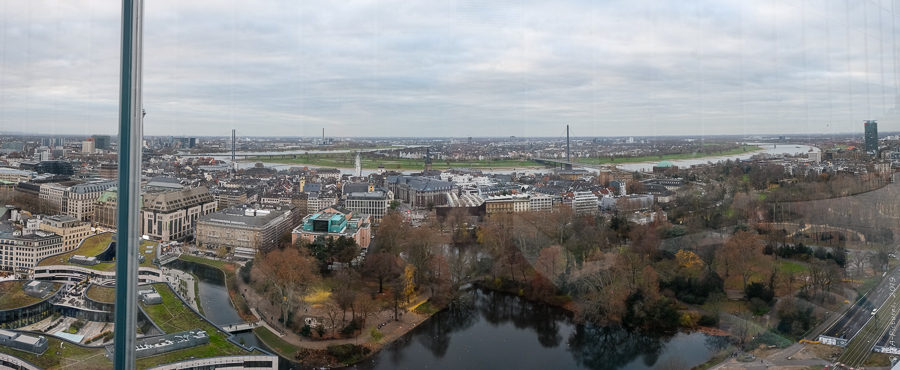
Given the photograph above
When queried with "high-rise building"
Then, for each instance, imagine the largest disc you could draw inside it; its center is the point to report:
(871, 135)
(101, 141)
(59, 141)
(88, 146)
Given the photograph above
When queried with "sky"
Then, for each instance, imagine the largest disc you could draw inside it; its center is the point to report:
(458, 68)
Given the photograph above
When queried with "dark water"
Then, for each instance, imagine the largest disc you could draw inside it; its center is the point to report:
(499, 331)
(491, 331)
(213, 297)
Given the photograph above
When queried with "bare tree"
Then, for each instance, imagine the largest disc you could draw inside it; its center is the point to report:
(291, 272)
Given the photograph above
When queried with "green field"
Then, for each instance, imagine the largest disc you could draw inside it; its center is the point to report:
(12, 295)
(347, 160)
(275, 342)
(173, 316)
(655, 158)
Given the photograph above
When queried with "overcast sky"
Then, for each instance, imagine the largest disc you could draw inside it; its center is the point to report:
(457, 68)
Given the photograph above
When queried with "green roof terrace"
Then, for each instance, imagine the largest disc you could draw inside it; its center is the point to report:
(12, 295)
(96, 244)
(173, 316)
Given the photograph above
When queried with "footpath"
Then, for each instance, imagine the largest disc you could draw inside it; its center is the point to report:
(392, 329)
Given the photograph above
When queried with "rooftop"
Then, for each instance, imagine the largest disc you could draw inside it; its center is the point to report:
(172, 316)
(240, 217)
(91, 246)
(101, 293)
(96, 244)
(12, 294)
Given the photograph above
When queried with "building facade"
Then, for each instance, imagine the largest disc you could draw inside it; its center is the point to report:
(52, 167)
(102, 142)
(14, 175)
(540, 202)
(871, 135)
(374, 203)
(173, 215)
(334, 222)
(419, 191)
(256, 229)
(108, 171)
(71, 229)
(506, 204)
(88, 146)
(20, 253)
(78, 200)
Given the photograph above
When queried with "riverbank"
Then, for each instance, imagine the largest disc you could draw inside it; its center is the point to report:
(744, 149)
(346, 161)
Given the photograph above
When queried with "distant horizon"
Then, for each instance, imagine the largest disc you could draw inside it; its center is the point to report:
(747, 136)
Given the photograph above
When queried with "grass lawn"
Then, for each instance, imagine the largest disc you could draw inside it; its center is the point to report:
(656, 158)
(788, 266)
(275, 342)
(91, 246)
(172, 316)
(148, 257)
(13, 296)
(348, 160)
(102, 294)
(868, 284)
(70, 357)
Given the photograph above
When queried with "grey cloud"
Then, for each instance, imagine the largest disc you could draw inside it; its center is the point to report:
(455, 68)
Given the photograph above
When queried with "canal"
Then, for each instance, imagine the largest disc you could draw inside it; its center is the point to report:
(490, 330)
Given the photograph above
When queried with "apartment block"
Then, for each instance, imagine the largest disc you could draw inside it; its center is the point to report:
(173, 215)
(71, 229)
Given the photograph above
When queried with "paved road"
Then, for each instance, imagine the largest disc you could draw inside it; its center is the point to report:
(877, 325)
(848, 325)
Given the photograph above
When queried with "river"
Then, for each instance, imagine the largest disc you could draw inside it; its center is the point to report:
(489, 330)
(214, 299)
(767, 148)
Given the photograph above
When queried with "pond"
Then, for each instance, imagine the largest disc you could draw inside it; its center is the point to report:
(490, 330)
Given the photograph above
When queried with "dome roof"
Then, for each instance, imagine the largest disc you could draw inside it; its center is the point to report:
(665, 164)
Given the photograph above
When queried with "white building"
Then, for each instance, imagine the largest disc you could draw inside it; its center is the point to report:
(78, 200)
(21, 253)
(374, 203)
(541, 202)
(87, 147)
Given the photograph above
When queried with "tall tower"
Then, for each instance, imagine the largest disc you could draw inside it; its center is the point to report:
(871, 136)
(233, 140)
(427, 159)
(358, 168)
